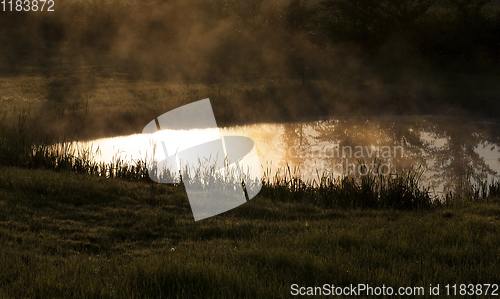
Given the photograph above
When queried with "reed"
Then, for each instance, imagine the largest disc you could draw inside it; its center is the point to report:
(66, 235)
(402, 191)
(396, 191)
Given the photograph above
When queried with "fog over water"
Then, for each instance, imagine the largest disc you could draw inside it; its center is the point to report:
(449, 151)
(102, 68)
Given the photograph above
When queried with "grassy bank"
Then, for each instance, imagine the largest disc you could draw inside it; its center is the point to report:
(73, 236)
(72, 228)
(89, 106)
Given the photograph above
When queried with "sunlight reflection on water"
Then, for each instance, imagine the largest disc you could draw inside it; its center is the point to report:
(447, 150)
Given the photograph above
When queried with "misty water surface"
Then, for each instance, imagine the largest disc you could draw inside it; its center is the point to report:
(449, 151)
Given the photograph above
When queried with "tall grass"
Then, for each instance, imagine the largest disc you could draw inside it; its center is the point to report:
(16, 141)
(474, 191)
(18, 147)
(404, 190)
(373, 190)
(65, 235)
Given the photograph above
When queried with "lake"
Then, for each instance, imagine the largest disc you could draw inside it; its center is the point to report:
(448, 151)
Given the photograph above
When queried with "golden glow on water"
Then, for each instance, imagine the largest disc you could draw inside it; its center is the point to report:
(443, 150)
(147, 146)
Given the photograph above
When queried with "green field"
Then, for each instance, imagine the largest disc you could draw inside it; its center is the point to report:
(66, 235)
(73, 228)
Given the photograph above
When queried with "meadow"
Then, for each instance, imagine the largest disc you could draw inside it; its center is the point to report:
(73, 228)
(67, 235)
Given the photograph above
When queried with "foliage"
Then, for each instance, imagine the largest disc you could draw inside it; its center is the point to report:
(156, 39)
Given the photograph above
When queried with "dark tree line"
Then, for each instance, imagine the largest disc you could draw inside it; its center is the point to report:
(161, 37)
(446, 30)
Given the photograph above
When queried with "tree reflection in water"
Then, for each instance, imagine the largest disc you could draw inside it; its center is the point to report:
(447, 149)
